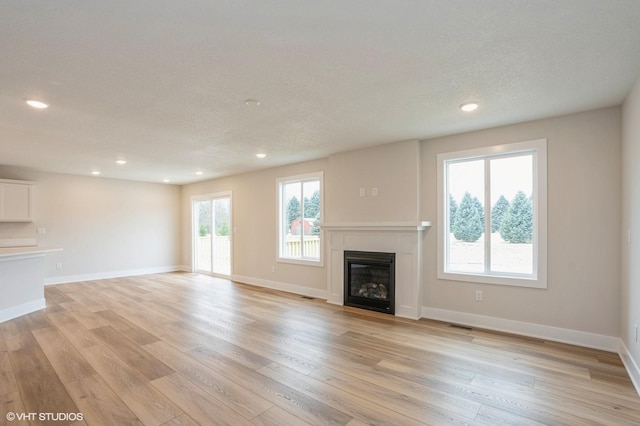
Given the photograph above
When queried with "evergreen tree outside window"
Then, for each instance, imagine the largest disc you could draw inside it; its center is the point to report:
(492, 221)
(453, 208)
(293, 206)
(468, 224)
(498, 211)
(517, 224)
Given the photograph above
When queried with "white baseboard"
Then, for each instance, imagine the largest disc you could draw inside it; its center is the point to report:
(23, 309)
(185, 268)
(631, 365)
(275, 285)
(107, 275)
(556, 334)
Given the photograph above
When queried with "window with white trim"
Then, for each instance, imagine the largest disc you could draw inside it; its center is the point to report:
(299, 215)
(492, 220)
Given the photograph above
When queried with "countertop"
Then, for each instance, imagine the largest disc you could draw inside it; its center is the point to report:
(21, 251)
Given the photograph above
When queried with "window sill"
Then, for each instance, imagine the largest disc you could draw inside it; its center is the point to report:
(494, 279)
(303, 262)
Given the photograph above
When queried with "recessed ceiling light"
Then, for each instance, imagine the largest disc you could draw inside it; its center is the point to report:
(166, 180)
(469, 106)
(252, 102)
(199, 172)
(95, 172)
(261, 155)
(36, 104)
(121, 162)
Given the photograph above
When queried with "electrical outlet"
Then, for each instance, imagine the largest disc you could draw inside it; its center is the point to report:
(59, 265)
(374, 192)
(479, 295)
(42, 231)
(273, 269)
(362, 192)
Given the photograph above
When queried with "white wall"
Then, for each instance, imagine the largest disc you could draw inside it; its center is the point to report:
(254, 220)
(106, 227)
(394, 169)
(584, 197)
(630, 292)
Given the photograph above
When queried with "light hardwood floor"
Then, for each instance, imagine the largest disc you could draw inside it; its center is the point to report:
(185, 349)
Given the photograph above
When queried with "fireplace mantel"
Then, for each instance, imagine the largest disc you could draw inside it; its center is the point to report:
(375, 226)
(402, 238)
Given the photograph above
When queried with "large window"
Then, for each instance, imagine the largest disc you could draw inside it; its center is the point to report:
(492, 215)
(299, 213)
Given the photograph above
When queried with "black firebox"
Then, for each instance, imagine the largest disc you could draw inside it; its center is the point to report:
(369, 280)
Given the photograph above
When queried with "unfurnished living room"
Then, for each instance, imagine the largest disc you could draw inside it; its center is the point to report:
(320, 212)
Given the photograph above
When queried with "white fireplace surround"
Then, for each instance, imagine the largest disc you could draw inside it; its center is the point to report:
(405, 239)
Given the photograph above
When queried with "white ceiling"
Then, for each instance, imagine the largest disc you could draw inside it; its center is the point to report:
(163, 83)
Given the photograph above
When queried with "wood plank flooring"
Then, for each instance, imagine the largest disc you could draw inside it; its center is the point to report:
(188, 349)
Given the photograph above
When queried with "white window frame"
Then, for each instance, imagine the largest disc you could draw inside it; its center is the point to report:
(311, 261)
(538, 279)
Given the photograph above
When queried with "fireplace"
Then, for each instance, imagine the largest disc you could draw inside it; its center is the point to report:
(405, 239)
(369, 280)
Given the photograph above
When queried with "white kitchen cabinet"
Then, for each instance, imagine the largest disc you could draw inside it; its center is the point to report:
(16, 201)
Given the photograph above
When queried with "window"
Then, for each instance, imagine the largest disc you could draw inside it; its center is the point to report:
(492, 215)
(299, 215)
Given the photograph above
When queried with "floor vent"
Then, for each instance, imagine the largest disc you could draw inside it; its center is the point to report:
(464, 327)
(308, 297)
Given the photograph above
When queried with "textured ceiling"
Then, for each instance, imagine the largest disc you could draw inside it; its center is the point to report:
(163, 83)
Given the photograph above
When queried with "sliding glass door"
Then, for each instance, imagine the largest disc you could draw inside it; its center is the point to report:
(212, 234)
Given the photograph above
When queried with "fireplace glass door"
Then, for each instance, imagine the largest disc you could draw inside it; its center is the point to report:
(369, 279)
